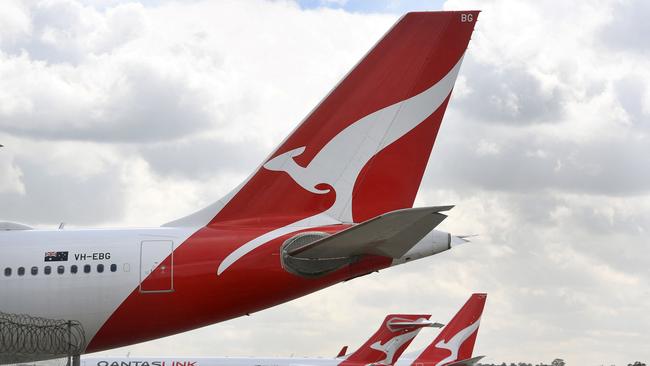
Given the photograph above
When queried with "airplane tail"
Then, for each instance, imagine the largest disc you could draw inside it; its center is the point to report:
(342, 352)
(388, 343)
(363, 150)
(455, 343)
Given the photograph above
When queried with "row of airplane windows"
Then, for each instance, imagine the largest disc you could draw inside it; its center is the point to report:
(87, 268)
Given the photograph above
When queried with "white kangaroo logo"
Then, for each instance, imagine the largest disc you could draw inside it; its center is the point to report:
(453, 345)
(340, 161)
(391, 347)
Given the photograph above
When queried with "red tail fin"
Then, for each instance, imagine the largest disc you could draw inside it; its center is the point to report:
(456, 341)
(362, 151)
(389, 342)
(342, 352)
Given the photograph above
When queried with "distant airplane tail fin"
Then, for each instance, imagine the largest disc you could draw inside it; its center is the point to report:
(390, 340)
(342, 352)
(363, 150)
(455, 343)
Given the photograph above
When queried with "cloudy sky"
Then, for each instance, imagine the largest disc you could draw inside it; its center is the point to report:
(118, 113)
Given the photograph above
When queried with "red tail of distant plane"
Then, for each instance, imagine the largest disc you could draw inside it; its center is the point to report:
(342, 352)
(454, 345)
(389, 342)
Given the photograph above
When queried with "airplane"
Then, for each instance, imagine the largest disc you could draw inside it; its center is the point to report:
(384, 347)
(333, 202)
(452, 347)
(455, 343)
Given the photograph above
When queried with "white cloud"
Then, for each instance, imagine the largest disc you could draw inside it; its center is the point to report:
(10, 176)
(487, 148)
(15, 22)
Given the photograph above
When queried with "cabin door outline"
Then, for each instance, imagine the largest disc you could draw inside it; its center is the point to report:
(156, 266)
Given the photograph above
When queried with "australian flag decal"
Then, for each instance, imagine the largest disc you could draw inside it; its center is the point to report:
(56, 256)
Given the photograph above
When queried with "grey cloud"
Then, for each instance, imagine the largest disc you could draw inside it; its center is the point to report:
(142, 105)
(601, 219)
(68, 32)
(630, 91)
(155, 107)
(554, 278)
(557, 301)
(507, 94)
(51, 198)
(84, 91)
(629, 27)
(62, 20)
(199, 158)
(529, 162)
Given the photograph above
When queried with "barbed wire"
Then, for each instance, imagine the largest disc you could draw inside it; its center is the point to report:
(22, 336)
(51, 362)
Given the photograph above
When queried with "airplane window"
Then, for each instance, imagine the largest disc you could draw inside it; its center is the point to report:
(47, 270)
(113, 267)
(73, 269)
(100, 268)
(60, 269)
(87, 268)
(7, 271)
(21, 271)
(34, 271)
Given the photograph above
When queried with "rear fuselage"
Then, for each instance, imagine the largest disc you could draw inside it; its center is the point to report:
(131, 285)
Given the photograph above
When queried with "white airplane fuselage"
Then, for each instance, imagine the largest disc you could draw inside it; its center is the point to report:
(124, 286)
(220, 361)
(209, 361)
(86, 296)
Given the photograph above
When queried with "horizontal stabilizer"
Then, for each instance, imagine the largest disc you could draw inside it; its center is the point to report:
(468, 362)
(423, 323)
(389, 341)
(391, 235)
